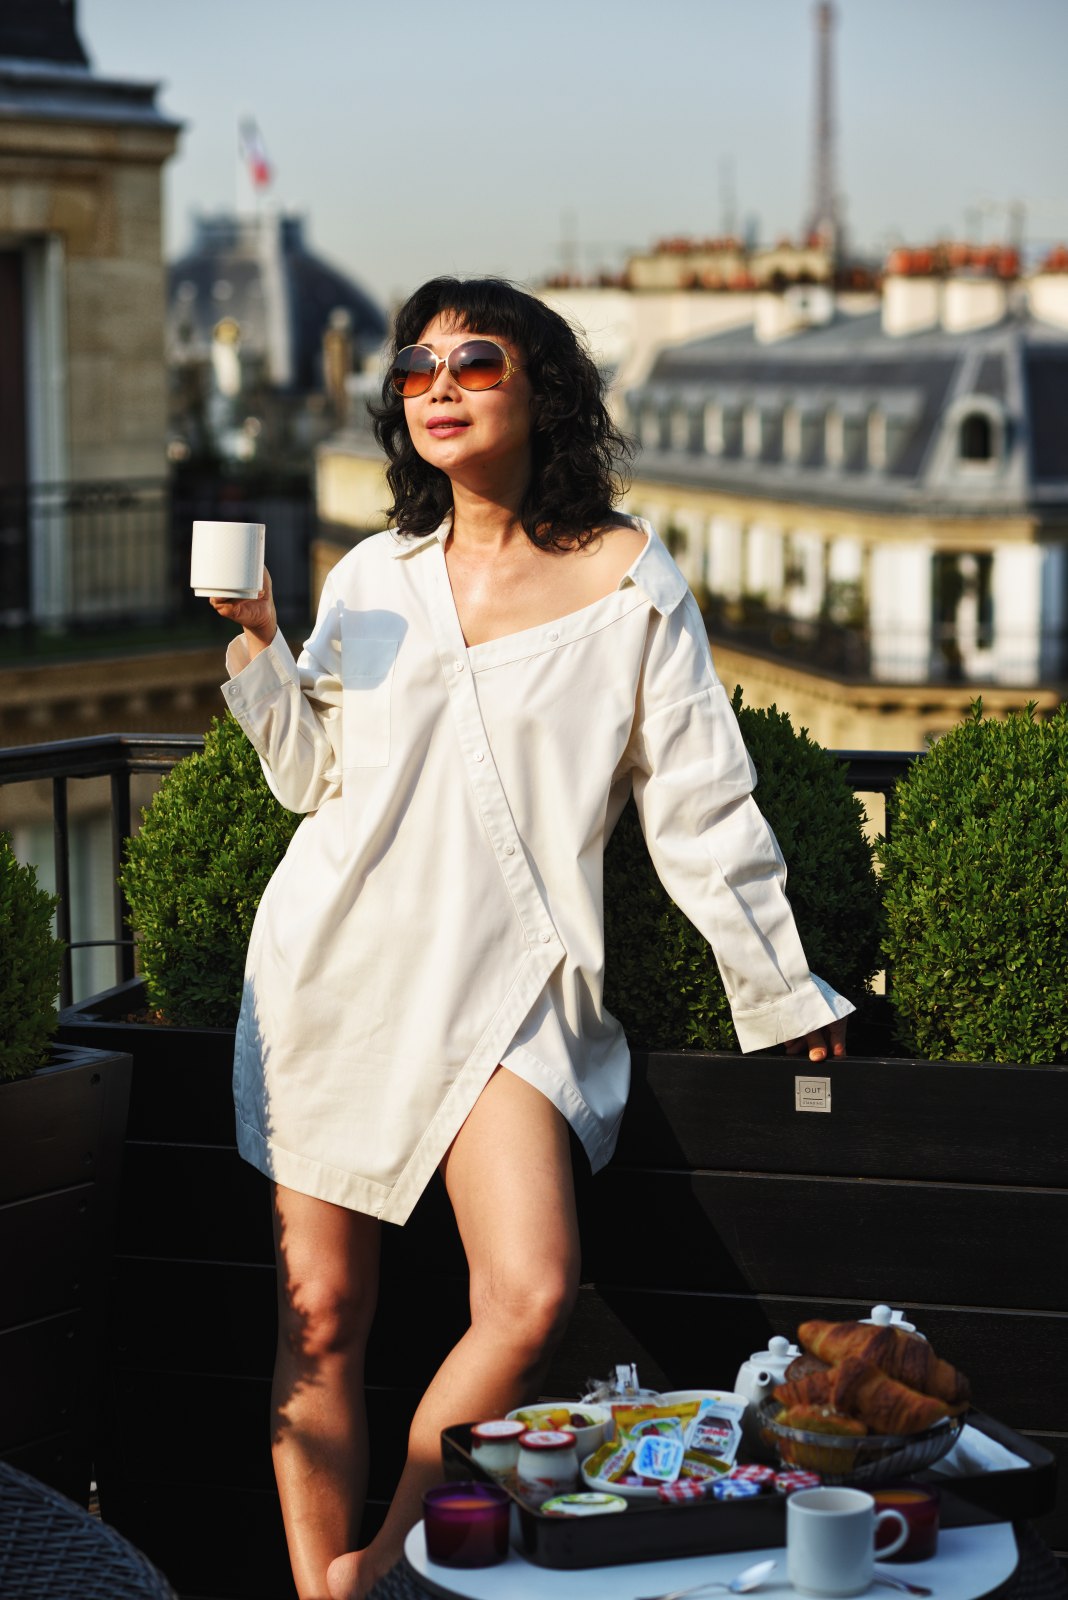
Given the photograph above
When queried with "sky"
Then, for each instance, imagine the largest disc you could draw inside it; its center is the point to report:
(422, 136)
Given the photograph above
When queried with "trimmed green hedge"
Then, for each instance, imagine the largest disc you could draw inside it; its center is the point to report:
(195, 874)
(30, 956)
(661, 978)
(975, 874)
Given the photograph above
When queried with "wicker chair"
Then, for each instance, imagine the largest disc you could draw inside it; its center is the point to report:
(52, 1549)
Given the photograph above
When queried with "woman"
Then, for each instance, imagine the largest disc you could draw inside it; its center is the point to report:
(484, 687)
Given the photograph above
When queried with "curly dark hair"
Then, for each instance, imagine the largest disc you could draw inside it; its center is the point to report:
(578, 455)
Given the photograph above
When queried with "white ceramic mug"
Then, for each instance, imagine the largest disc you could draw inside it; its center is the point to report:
(830, 1540)
(227, 559)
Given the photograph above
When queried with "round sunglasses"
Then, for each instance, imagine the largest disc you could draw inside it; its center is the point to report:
(477, 364)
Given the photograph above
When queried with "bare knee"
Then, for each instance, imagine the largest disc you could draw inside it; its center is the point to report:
(528, 1310)
(319, 1319)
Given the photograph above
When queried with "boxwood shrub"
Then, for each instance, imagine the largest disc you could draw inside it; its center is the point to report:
(975, 873)
(661, 979)
(30, 955)
(194, 875)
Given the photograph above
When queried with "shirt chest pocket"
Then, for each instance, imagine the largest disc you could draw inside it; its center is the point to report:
(367, 667)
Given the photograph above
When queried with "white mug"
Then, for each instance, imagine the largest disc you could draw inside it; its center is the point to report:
(227, 559)
(830, 1540)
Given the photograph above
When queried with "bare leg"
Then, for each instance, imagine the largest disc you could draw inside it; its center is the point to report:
(508, 1174)
(327, 1287)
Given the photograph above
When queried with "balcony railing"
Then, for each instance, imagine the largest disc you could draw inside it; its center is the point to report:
(120, 756)
(934, 654)
(79, 557)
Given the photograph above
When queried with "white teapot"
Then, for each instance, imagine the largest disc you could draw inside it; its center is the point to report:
(884, 1317)
(764, 1369)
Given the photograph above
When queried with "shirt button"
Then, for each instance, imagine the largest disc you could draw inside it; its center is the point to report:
(554, 634)
(546, 938)
(459, 666)
(479, 755)
(509, 849)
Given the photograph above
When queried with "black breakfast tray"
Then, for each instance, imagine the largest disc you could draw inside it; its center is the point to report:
(654, 1531)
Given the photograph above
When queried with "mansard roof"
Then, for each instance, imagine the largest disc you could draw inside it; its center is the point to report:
(1014, 373)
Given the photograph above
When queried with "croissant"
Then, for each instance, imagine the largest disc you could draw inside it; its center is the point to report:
(903, 1356)
(811, 1389)
(887, 1406)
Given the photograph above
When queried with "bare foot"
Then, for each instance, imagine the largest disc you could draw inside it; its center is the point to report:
(350, 1577)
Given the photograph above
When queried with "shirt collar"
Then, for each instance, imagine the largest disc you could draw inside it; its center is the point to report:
(406, 544)
(654, 572)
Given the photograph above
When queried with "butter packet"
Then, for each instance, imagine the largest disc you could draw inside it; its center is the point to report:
(612, 1462)
(717, 1429)
(659, 1457)
(638, 1420)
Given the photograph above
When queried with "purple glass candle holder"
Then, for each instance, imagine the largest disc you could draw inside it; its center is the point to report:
(918, 1503)
(466, 1524)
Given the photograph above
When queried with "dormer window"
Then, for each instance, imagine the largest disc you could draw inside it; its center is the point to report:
(976, 438)
(715, 441)
(681, 428)
(650, 427)
(976, 435)
(752, 432)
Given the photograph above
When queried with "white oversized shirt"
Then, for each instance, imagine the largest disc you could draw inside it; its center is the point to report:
(439, 910)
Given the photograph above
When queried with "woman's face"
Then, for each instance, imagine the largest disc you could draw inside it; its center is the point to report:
(478, 438)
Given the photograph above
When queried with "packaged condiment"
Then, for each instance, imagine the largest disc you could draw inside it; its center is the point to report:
(685, 1489)
(589, 1504)
(763, 1477)
(790, 1482)
(659, 1457)
(495, 1446)
(717, 1428)
(734, 1489)
(633, 1420)
(548, 1464)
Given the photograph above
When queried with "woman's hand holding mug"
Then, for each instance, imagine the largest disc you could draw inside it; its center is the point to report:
(258, 617)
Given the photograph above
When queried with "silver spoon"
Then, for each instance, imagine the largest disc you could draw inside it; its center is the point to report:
(751, 1578)
(900, 1583)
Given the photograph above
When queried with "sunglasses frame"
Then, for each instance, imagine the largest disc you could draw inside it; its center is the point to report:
(510, 367)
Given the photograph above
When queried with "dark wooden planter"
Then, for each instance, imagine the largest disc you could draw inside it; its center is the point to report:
(61, 1135)
(726, 1216)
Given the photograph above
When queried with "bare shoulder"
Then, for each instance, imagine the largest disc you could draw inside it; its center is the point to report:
(615, 548)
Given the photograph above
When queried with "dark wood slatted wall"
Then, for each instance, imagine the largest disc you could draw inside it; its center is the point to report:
(726, 1216)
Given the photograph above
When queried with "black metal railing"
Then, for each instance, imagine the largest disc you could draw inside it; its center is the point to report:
(119, 756)
(85, 557)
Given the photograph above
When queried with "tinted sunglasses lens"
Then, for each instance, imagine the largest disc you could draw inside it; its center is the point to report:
(478, 364)
(413, 370)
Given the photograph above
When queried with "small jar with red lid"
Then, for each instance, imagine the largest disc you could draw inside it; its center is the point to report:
(548, 1463)
(495, 1447)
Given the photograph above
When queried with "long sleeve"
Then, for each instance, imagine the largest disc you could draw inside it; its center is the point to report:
(712, 848)
(291, 710)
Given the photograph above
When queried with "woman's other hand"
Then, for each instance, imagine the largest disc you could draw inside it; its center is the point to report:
(821, 1042)
(258, 617)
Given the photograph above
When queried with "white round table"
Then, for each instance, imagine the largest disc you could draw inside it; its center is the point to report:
(970, 1562)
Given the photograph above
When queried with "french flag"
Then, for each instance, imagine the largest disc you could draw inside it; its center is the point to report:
(254, 152)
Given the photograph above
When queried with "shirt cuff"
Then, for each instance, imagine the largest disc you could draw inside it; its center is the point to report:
(815, 1005)
(252, 681)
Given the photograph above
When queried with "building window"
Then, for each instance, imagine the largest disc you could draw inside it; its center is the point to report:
(878, 454)
(752, 432)
(792, 448)
(649, 427)
(681, 429)
(714, 433)
(976, 437)
(963, 612)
